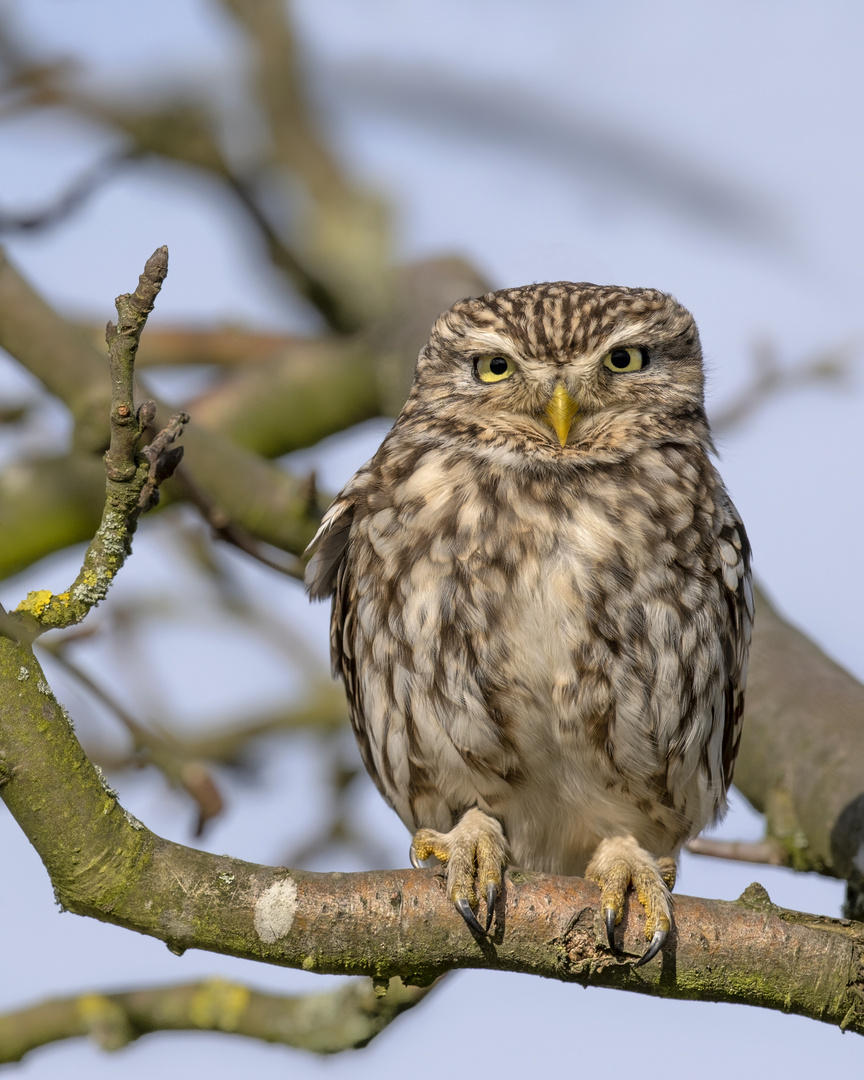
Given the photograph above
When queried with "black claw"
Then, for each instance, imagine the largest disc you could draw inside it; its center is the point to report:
(415, 862)
(652, 950)
(491, 897)
(609, 915)
(464, 909)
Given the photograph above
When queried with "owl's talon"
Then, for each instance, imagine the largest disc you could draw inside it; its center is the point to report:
(464, 909)
(475, 853)
(620, 864)
(412, 855)
(652, 950)
(611, 918)
(491, 898)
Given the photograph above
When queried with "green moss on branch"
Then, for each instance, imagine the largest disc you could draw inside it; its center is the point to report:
(132, 478)
(326, 1023)
(105, 864)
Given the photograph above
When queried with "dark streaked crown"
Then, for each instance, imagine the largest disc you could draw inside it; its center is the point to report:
(561, 317)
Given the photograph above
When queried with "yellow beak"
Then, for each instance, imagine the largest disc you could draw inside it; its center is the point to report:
(561, 411)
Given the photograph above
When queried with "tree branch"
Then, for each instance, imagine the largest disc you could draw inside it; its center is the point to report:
(343, 1019)
(132, 479)
(224, 345)
(107, 865)
(160, 749)
(769, 379)
(768, 852)
(47, 504)
(226, 529)
(76, 194)
(315, 388)
(802, 755)
(339, 241)
(260, 498)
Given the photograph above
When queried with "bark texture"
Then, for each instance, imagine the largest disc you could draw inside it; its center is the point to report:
(802, 752)
(107, 865)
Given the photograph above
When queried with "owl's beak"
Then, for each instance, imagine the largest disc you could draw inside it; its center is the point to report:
(561, 411)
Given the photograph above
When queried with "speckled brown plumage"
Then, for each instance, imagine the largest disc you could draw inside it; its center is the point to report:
(548, 625)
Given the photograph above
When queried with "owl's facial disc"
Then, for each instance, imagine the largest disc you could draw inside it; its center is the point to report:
(560, 412)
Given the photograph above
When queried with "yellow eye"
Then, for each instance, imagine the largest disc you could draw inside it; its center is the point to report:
(620, 360)
(494, 368)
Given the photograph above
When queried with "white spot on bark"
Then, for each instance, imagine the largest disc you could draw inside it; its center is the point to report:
(275, 910)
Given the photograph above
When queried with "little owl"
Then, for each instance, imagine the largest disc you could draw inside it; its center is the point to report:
(541, 598)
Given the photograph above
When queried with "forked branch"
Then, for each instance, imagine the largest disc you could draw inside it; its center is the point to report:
(105, 864)
(132, 479)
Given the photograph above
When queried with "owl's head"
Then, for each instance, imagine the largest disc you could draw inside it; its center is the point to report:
(563, 371)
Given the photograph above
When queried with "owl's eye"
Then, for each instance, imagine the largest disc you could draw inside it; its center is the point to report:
(494, 368)
(620, 360)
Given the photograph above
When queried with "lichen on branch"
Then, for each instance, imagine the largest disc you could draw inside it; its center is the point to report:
(106, 865)
(327, 1023)
(132, 479)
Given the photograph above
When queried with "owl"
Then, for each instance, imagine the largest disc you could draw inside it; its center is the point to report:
(541, 598)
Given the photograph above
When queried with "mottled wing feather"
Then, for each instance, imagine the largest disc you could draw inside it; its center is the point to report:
(738, 591)
(328, 573)
(343, 636)
(328, 547)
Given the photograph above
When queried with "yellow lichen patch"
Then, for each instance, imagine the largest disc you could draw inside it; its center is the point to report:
(35, 602)
(105, 1020)
(219, 1005)
(94, 1007)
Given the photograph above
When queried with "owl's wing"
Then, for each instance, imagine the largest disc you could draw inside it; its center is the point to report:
(328, 546)
(738, 590)
(329, 573)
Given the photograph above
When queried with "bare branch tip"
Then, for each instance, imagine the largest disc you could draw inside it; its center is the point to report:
(149, 285)
(157, 263)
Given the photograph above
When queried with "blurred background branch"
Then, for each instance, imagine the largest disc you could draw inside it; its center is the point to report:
(344, 1019)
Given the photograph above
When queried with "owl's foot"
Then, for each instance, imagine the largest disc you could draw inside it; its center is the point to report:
(475, 853)
(619, 864)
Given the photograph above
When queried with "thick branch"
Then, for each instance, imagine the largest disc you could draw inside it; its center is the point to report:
(225, 345)
(107, 865)
(802, 755)
(46, 505)
(57, 353)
